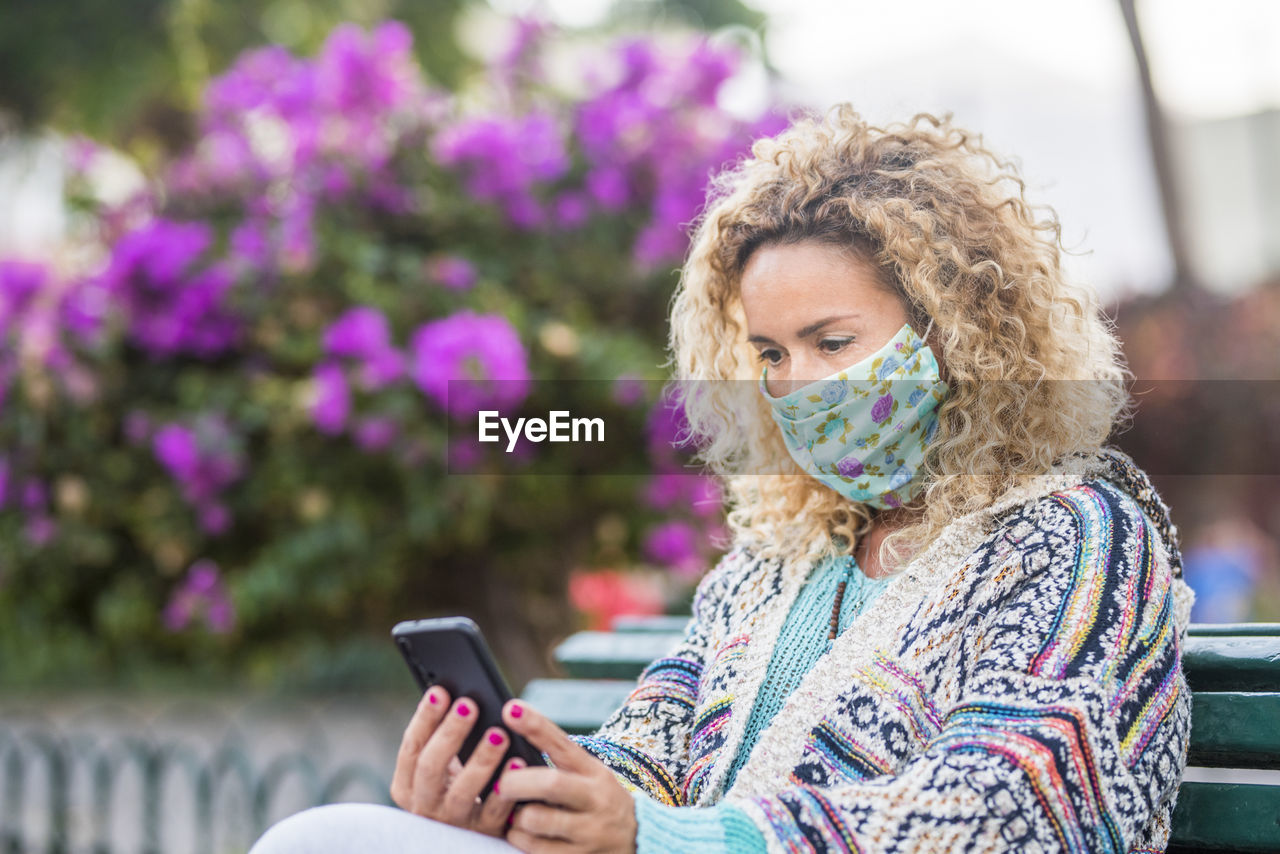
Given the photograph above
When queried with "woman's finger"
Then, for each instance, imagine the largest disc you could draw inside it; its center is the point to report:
(550, 822)
(426, 717)
(430, 775)
(497, 807)
(532, 844)
(464, 789)
(543, 733)
(565, 789)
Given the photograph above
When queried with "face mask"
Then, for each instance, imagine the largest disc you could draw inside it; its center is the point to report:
(863, 431)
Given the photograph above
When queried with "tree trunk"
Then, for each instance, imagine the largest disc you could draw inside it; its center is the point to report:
(1185, 280)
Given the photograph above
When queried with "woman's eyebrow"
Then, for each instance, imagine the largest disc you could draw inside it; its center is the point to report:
(814, 327)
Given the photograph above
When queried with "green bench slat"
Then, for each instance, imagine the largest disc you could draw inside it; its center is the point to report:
(1215, 663)
(1233, 630)
(664, 623)
(1235, 730)
(1226, 816)
(578, 706)
(609, 655)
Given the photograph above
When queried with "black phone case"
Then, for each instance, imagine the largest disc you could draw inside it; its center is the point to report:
(451, 651)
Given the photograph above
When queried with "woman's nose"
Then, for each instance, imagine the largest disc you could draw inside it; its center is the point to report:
(802, 370)
(805, 369)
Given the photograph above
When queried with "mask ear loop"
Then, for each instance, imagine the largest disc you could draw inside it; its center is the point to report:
(925, 336)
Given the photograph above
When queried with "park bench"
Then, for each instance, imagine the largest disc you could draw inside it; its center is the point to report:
(1233, 671)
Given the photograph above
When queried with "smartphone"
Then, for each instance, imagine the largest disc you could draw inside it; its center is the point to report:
(451, 651)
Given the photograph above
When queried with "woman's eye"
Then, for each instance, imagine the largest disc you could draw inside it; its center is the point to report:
(833, 345)
(773, 357)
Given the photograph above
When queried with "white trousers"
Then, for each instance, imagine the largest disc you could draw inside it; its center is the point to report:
(372, 829)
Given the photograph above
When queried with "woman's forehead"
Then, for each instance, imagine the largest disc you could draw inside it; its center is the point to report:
(782, 282)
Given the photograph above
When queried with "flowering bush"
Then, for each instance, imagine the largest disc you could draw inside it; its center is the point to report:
(234, 429)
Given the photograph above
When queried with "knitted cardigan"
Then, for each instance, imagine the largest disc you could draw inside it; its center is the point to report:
(1017, 687)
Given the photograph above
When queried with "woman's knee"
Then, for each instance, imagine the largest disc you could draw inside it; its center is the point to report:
(329, 828)
(370, 829)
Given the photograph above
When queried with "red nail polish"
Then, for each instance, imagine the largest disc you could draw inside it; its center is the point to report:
(463, 710)
(515, 763)
(432, 698)
(516, 710)
(495, 788)
(495, 738)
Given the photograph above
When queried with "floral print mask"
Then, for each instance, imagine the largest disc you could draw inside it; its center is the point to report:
(863, 431)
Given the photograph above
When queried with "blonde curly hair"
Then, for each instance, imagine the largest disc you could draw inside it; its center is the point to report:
(948, 225)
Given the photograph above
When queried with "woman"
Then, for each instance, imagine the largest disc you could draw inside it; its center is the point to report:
(950, 619)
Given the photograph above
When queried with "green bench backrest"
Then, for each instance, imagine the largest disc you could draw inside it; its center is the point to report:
(1233, 671)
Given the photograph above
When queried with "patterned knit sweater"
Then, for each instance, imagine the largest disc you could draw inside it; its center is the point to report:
(1018, 687)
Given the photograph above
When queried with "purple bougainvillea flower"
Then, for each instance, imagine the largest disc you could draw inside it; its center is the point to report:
(376, 433)
(201, 592)
(34, 495)
(628, 390)
(359, 333)
(363, 334)
(664, 490)
(175, 302)
(704, 496)
(467, 362)
(363, 73)
(464, 454)
(452, 271)
(571, 209)
(214, 518)
(20, 281)
(137, 427)
(250, 243)
(505, 159)
(202, 577)
(669, 489)
(220, 615)
(671, 542)
(675, 545)
(332, 402)
(203, 458)
(40, 529)
(609, 188)
(667, 426)
(381, 369)
(882, 408)
(175, 447)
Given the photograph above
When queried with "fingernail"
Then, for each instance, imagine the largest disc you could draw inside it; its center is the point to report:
(495, 787)
(432, 697)
(516, 710)
(463, 710)
(515, 763)
(495, 738)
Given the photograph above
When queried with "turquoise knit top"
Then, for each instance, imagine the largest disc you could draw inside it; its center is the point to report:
(801, 643)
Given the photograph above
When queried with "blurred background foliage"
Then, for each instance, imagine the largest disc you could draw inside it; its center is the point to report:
(224, 417)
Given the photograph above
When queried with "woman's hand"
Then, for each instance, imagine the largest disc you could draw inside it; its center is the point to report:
(585, 809)
(431, 781)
